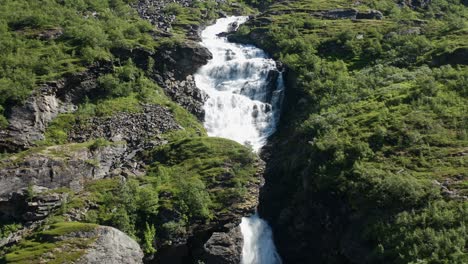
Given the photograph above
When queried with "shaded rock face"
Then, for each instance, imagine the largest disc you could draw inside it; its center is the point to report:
(173, 71)
(28, 122)
(110, 247)
(224, 248)
(458, 56)
(182, 60)
(24, 208)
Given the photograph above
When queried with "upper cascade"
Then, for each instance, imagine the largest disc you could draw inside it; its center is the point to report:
(244, 87)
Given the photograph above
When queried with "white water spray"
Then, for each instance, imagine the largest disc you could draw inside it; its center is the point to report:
(245, 92)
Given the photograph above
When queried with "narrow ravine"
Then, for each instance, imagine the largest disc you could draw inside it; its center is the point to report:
(245, 92)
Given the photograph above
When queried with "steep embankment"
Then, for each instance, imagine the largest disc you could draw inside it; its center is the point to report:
(100, 124)
(369, 163)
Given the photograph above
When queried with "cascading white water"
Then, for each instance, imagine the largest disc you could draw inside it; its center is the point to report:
(245, 92)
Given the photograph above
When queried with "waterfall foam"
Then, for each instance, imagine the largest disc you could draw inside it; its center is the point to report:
(243, 86)
(245, 91)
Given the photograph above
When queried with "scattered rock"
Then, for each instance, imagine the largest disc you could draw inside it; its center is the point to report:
(136, 129)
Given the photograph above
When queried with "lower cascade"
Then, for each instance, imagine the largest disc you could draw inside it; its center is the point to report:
(245, 91)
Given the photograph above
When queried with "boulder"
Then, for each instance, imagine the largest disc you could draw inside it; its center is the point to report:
(224, 247)
(111, 246)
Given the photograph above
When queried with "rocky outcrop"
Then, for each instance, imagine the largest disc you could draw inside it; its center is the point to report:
(58, 166)
(187, 94)
(30, 204)
(415, 3)
(110, 246)
(28, 122)
(224, 248)
(349, 13)
(182, 60)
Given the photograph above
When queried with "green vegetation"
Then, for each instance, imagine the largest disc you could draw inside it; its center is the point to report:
(43, 40)
(46, 246)
(379, 120)
(123, 90)
(8, 228)
(191, 179)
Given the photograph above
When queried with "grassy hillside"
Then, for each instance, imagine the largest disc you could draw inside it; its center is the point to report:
(43, 40)
(375, 132)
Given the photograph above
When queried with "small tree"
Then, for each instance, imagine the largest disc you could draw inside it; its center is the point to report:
(148, 239)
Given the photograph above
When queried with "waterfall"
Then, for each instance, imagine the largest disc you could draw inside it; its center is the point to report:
(245, 92)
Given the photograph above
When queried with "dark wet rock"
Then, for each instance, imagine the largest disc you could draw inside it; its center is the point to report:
(232, 28)
(183, 59)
